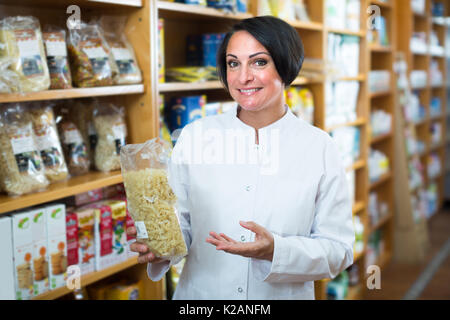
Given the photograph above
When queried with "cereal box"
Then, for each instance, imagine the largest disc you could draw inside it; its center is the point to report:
(56, 245)
(23, 255)
(119, 217)
(72, 238)
(40, 253)
(86, 239)
(7, 291)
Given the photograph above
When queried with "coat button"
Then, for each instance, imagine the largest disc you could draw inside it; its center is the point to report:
(242, 238)
(248, 188)
(240, 290)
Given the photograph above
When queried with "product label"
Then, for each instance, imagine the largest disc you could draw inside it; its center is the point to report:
(119, 132)
(141, 230)
(97, 56)
(50, 153)
(27, 157)
(29, 52)
(55, 44)
(124, 60)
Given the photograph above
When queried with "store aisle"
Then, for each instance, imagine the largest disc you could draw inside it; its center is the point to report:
(397, 280)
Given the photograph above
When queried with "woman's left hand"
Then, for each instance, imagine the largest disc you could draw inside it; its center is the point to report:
(261, 248)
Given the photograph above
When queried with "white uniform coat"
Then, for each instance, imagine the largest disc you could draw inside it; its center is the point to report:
(292, 183)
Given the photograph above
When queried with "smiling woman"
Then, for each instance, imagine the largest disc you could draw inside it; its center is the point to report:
(253, 233)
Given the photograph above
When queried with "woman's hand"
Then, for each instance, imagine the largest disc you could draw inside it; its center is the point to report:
(261, 248)
(145, 255)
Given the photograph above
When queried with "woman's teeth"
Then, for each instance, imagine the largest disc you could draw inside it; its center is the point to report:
(248, 90)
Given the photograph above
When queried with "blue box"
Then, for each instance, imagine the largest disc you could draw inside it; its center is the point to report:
(201, 50)
(184, 110)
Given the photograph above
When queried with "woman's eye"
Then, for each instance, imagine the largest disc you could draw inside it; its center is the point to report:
(260, 62)
(232, 64)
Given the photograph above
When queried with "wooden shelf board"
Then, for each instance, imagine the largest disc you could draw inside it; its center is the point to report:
(379, 48)
(358, 206)
(346, 32)
(356, 165)
(381, 223)
(354, 293)
(381, 3)
(436, 146)
(380, 94)
(305, 25)
(188, 86)
(58, 190)
(360, 77)
(72, 93)
(380, 137)
(88, 279)
(182, 11)
(131, 3)
(356, 123)
(384, 178)
(358, 255)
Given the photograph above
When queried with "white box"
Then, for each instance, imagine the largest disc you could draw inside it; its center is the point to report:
(56, 244)
(23, 255)
(7, 290)
(40, 252)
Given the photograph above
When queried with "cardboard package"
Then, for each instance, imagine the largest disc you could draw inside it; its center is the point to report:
(72, 238)
(23, 255)
(86, 239)
(40, 252)
(56, 244)
(124, 291)
(7, 289)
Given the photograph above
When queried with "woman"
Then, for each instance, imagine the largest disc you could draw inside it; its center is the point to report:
(262, 218)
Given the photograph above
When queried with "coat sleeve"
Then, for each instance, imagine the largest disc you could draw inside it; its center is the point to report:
(328, 249)
(178, 181)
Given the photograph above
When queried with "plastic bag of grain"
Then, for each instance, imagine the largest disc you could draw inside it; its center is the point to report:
(21, 40)
(150, 200)
(21, 167)
(8, 79)
(47, 141)
(109, 123)
(83, 118)
(73, 143)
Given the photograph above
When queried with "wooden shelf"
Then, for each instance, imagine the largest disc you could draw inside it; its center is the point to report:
(354, 293)
(306, 25)
(358, 206)
(380, 94)
(58, 190)
(183, 11)
(88, 279)
(358, 255)
(131, 3)
(380, 137)
(189, 86)
(381, 223)
(356, 123)
(72, 93)
(381, 3)
(356, 165)
(378, 48)
(346, 32)
(384, 178)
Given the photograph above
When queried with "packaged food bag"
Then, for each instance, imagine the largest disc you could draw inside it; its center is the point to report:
(73, 143)
(47, 141)
(57, 60)
(92, 64)
(21, 167)
(121, 49)
(21, 40)
(9, 80)
(109, 123)
(83, 118)
(150, 200)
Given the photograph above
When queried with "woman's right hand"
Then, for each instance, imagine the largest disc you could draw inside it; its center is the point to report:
(145, 255)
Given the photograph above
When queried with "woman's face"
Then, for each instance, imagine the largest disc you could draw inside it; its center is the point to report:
(253, 80)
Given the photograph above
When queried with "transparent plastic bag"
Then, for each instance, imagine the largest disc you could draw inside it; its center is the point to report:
(47, 141)
(84, 120)
(21, 167)
(122, 51)
(73, 143)
(92, 64)
(109, 123)
(57, 59)
(9, 80)
(21, 41)
(150, 200)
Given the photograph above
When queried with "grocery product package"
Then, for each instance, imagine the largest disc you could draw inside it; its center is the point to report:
(40, 251)
(83, 119)
(47, 141)
(9, 80)
(21, 168)
(23, 255)
(122, 51)
(7, 289)
(21, 41)
(109, 123)
(57, 60)
(92, 63)
(150, 200)
(73, 143)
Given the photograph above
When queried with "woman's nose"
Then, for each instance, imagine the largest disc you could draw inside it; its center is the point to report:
(246, 75)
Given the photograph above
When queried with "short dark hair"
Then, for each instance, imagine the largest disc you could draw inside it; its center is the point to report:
(278, 37)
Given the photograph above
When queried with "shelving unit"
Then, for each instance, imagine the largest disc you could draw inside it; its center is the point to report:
(137, 100)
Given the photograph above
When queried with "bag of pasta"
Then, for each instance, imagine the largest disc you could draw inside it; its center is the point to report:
(47, 141)
(150, 200)
(21, 40)
(109, 123)
(57, 60)
(122, 51)
(84, 120)
(21, 168)
(9, 80)
(92, 64)
(73, 143)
